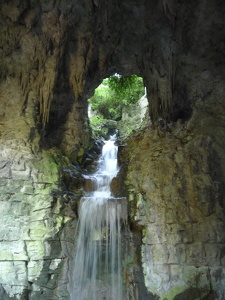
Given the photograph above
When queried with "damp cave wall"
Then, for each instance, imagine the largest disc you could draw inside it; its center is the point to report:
(53, 55)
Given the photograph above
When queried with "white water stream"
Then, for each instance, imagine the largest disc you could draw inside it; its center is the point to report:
(97, 266)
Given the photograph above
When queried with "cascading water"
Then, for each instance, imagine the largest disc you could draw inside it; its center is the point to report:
(97, 266)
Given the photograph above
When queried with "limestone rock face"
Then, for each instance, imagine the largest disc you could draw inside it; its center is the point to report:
(53, 55)
(176, 195)
(33, 258)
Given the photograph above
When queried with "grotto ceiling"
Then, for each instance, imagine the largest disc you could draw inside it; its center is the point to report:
(55, 53)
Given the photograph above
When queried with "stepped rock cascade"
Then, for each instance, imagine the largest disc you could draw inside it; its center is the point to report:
(97, 265)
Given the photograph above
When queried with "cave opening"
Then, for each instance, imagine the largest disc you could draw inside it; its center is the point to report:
(114, 99)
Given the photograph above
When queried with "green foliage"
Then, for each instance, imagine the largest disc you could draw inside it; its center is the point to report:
(96, 120)
(97, 125)
(116, 92)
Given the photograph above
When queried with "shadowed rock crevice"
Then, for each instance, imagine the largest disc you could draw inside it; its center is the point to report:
(62, 103)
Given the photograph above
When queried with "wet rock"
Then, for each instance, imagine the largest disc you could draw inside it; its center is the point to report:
(89, 185)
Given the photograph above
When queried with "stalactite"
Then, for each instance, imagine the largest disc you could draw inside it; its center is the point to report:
(45, 82)
(80, 64)
(159, 89)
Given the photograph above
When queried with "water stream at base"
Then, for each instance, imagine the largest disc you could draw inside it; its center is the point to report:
(97, 265)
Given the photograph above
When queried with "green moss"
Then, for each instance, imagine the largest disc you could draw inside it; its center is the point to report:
(139, 199)
(47, 168)
(59, 221)
(39, 231)
(168, 295)
(173, 292)
(80, 154)
(189, 288)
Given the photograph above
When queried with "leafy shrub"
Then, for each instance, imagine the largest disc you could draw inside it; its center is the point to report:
(114, 93)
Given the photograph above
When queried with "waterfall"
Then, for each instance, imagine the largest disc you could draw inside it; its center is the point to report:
(97, 265)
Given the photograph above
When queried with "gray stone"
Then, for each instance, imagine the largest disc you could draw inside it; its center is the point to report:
(16, 274)
(13, 251)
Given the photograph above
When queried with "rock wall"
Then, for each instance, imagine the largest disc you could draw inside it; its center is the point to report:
(34, 256)
(176, 196)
